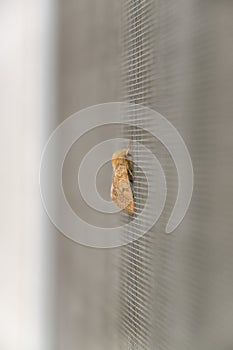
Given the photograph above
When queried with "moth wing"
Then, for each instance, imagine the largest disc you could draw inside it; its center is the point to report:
(121, 192)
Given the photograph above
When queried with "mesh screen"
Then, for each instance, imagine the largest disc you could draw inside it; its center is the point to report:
(170, 63)
(136, 265)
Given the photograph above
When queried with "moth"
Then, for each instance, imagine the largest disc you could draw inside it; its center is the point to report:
(122, 180)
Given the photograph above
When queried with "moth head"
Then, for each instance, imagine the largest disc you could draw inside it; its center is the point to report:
(121, 157)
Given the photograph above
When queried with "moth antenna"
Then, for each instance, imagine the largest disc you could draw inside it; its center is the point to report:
(129, 146)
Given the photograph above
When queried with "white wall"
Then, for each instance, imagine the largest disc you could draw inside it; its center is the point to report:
(27, 115)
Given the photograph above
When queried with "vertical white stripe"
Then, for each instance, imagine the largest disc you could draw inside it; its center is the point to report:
(27, 110)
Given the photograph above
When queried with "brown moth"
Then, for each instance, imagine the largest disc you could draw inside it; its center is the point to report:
(121, 190)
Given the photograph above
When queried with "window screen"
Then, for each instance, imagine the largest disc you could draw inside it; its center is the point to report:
(137, 258)
(166, 51)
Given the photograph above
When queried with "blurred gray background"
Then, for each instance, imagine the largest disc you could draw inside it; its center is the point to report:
(88, 74)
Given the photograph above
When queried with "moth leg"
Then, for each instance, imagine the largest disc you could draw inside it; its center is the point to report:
(131, 173)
